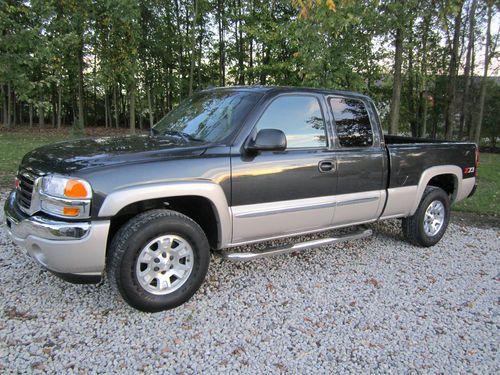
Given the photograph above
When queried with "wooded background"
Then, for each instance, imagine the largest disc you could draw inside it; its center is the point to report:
(430, 65)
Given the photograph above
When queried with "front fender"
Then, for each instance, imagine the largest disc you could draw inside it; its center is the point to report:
(123, 197)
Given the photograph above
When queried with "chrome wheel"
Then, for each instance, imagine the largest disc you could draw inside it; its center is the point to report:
(434, 218)
(164, 264)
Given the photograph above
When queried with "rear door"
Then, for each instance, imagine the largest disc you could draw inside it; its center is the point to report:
(291, 191)
(361, 161)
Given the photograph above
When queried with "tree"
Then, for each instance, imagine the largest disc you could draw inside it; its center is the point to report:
(454, 46)
(489, 50)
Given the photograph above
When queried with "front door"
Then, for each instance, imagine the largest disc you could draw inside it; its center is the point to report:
(275, 194)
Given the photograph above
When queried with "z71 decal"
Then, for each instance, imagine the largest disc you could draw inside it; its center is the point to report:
(468, 170)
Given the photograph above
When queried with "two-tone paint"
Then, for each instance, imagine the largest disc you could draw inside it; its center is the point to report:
(258, 196)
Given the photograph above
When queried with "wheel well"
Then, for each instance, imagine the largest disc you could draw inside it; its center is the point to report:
(197, 208)
(447, 182)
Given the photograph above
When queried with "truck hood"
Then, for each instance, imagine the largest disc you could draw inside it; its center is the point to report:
(70, 156)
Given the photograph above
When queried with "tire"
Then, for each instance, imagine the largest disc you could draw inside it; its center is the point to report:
(162, 245)
(418, 229)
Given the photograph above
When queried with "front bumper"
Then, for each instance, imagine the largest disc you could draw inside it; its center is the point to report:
(75, 251)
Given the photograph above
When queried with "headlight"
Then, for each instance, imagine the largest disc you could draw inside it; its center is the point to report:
(66, 187)
(65, 196)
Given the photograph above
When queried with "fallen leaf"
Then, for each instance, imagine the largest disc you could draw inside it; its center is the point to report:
(373, 282)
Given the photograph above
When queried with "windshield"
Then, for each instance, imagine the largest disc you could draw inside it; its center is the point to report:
(207, 117)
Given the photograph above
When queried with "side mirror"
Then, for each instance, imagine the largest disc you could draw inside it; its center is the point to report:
(268, 140)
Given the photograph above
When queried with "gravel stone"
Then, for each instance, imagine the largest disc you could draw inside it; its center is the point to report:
(374, 305)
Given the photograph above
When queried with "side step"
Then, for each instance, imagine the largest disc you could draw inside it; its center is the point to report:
(241, 256)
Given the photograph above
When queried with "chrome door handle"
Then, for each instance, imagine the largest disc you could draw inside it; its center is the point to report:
(327, 166)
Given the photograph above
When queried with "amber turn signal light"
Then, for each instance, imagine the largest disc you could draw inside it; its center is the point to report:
(75, 189)
(71, 211)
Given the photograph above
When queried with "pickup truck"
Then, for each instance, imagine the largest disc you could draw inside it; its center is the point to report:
(227, 167)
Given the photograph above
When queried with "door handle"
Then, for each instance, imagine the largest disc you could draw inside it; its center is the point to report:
(326, 166)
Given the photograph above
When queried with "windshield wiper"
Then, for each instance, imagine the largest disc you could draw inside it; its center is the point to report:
(185, 136)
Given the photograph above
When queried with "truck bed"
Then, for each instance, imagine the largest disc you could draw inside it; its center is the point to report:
(409, 157)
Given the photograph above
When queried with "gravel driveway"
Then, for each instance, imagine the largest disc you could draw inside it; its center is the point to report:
(375, 305)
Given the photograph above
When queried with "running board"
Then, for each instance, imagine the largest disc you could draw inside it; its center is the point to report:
(242, 256)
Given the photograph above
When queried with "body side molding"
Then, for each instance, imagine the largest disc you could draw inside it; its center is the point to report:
(118, 199)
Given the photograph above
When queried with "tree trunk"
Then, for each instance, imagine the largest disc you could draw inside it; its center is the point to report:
(9, 106)
(265, 61)
(41, 119)
(220, 23)
(31, 114)
(106, 112)
(452, 77)
(59, 107)
(411, 90)
(239, 32)
(150, 107)
(132, 107)
(468, 117)
(81, 113)
(487, 58)
(181, 50)
(21, 114)
(14, 109)
(193, 46)
(396, 87)
(423, 99)
(467, 68)
(435, 116)
(115, 104)
(4, 105)
(423, 128)
(54, 110)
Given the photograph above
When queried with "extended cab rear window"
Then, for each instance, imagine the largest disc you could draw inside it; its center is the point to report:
(352, 122)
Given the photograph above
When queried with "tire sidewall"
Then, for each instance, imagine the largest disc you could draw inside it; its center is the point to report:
(127, 281)
(434, 194)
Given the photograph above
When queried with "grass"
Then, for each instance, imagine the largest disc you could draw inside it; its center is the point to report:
(14, 145)
(486, 200)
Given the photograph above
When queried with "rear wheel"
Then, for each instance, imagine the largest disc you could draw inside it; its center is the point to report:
(428, 225)
(158, 260)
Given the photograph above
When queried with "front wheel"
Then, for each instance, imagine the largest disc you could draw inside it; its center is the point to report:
(427, 226)
(158, 260)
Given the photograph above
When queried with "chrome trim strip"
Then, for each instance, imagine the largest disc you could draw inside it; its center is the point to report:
(284, 210)
(243, 256)
(356, 201)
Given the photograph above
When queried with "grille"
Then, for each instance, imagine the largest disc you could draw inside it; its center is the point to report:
(25, 190)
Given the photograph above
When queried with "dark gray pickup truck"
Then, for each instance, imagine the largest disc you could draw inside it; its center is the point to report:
(227, 167)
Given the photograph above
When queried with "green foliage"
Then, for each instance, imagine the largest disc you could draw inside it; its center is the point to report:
(155, 52)
(486, 200)
(491, 120)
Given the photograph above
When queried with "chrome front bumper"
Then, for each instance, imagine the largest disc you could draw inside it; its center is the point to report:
(75, 248)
